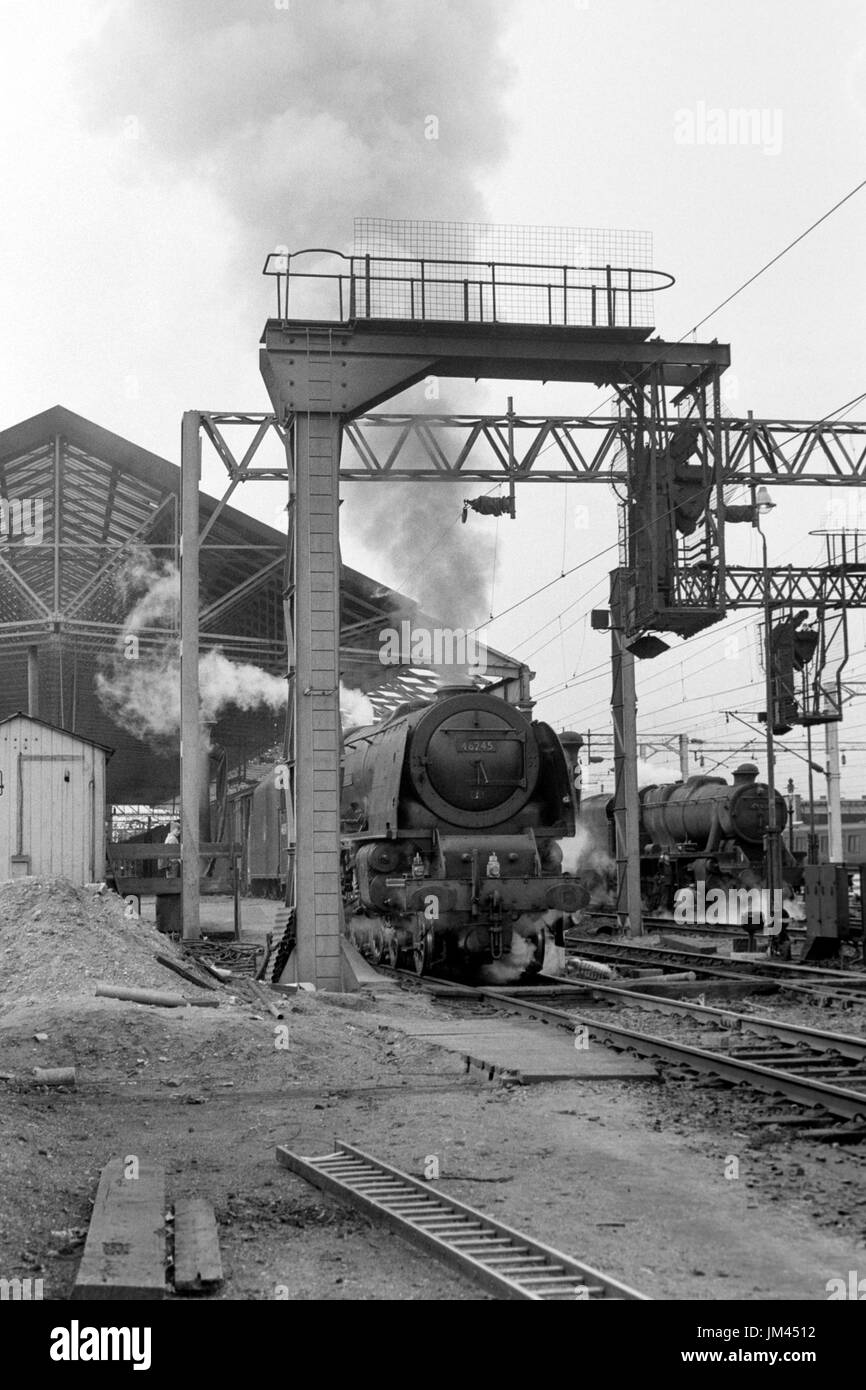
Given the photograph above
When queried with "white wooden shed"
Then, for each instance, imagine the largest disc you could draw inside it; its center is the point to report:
(52, 802)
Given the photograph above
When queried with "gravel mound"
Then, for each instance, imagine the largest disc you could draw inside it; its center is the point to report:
(58, 940)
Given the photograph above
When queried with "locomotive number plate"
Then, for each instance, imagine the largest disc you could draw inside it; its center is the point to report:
(477, 745)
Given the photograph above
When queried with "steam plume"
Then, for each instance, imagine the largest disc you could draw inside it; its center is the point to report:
(580, 852)
(355, 708)
(139, 686)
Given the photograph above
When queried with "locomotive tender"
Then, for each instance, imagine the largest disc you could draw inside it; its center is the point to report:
(451, 813)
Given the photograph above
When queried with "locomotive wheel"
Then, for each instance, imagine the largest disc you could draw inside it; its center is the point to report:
(393, 949)
(422, 952)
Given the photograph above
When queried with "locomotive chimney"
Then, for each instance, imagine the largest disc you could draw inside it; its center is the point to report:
(745, 775)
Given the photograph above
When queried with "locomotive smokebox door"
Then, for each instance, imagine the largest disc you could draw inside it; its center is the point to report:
(474, 761)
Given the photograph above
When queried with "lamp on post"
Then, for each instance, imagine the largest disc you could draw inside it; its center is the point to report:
(761, 506)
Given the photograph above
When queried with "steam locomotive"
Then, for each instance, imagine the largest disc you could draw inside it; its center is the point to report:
(451, 814)
(702, 831)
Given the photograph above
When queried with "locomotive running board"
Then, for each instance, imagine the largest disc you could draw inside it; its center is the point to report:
(511, 1265)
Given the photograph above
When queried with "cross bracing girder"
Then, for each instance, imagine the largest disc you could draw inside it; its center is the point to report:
(802, 588)
(562, 448)
(587, 449)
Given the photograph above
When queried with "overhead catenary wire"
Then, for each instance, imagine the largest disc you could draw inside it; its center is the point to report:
(791, 244)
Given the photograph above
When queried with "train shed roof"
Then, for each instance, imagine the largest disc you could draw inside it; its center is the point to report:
(77, 502)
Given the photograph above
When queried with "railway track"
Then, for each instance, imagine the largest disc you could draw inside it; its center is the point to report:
(668, 924)
(791, 1035)
(801, 1085)
(810, 979)
(806, 1066)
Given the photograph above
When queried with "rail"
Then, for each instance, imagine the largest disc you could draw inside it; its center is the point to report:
(427, 290)
(802, 1087)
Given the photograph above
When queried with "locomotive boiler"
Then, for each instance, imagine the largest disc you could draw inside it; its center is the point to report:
(451, 813)
(710, 814)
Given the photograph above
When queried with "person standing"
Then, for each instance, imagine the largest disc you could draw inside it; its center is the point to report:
(172, 866)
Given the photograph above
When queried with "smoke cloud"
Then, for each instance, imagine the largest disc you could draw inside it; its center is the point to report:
(446, 568)
(300, 116)
(304, 114)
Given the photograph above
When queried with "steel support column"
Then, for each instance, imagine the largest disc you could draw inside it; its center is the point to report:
(318, 738)
(190, 761)
(625, 803)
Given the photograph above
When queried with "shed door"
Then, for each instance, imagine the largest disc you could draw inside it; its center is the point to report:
(55, 815)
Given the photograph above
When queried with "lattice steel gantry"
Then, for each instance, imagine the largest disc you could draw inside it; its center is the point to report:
(394, 319)
(391, 322)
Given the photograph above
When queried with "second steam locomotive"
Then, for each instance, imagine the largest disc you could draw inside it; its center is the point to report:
(702, 831)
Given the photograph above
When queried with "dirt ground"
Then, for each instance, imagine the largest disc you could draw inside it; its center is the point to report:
(628, 1176)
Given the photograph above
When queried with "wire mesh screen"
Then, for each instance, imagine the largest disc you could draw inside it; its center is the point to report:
(502, 241)
(509, 273)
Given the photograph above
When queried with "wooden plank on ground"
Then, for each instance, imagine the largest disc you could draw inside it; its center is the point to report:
(197, 1262)
(124, 1254)
(184, 972)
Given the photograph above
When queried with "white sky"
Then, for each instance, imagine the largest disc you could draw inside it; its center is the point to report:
(152, 153)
